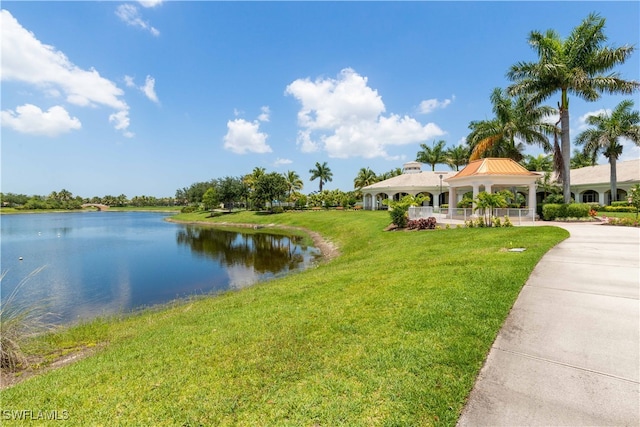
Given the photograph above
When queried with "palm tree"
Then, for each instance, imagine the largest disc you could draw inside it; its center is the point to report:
(581, 160)
(606, 134)
(364, 178)
(516, 121)
(457, 156)
(539, 163)
(323, 172)
(432, 155)
(390, 174)
(576, 65)
(294, 183)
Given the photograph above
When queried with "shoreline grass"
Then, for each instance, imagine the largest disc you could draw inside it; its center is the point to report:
(392, 332)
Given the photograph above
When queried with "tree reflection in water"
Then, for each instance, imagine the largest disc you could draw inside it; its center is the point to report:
(264, 253)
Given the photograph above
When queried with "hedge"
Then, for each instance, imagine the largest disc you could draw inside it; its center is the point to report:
(551, 211)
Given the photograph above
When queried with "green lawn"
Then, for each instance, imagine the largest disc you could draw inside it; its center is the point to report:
(392, 332)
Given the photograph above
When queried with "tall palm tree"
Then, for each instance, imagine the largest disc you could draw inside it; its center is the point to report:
(457, 156)
(432, 155)
(575, 65)
(323, 172)
(294, 183)
(516, 121)
(539, 163)
(606, 133)
(365, 177)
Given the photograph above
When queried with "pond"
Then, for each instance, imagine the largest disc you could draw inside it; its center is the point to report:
(90, 264)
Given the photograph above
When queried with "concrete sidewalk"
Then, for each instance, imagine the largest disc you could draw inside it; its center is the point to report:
(569, 351)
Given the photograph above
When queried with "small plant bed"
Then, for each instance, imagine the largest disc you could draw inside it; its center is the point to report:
(422, 224)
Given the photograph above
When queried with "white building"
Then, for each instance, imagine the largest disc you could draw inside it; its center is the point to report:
(589, 185)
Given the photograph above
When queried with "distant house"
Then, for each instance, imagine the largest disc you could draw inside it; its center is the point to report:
(588, 185)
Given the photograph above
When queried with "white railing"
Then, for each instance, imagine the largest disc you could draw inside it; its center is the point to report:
(517, 216)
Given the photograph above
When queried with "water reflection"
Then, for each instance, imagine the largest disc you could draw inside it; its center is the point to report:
(261, 253)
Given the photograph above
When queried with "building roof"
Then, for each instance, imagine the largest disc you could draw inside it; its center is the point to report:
(411, 180)
(494, 166)
(626, 171)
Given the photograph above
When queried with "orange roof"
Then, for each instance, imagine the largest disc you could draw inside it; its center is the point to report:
(493, 166)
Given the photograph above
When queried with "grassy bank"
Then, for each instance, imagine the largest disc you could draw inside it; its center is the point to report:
(392, 332)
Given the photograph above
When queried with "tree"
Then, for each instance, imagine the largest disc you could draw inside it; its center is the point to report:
(432, 155)
(487, 202)
(539, 163)
(364, 178)
(323, 172)
(270, 187)
(230, 190)
(457, 156)
(516, 121)
(575, 65)
(606, 134)
(390, 174)
(294, 183)
(582, 160)
(398, 210)
(210, 198)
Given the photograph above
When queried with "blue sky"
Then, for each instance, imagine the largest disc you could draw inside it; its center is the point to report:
(143, 98)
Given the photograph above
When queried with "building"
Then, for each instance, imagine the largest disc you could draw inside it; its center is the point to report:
(588, 185)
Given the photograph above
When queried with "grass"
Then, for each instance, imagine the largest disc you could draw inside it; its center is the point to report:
(392, 332)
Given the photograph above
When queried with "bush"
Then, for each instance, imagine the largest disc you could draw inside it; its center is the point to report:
(620, 204)
(551, 211)
(577, 210)
(422, 224)
(554, 199)
(595, 206)
(188, 209)
(625, 208)
(278, 210)
(399, 216)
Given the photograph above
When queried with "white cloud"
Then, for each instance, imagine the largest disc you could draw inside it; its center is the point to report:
(150, 3)
(30, 119)
(280, 162)
(245, 137)
(121, 122)
(129, 14)
(582, 121)
(264, 116)
(128, 80)
(26, 59)
(429, 105)
(149, 89)
(344, 117)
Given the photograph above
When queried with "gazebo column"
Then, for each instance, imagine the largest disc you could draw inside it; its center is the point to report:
(453, 201)
(476, 190)
(532, 200)
(602, 199)
(487, 188)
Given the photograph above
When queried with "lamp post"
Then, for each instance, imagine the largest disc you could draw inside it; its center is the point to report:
(440, 196)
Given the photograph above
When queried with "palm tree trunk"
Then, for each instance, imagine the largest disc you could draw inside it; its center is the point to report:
(614, 179)
(565, 142)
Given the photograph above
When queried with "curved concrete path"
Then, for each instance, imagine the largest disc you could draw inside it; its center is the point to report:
(569, 351)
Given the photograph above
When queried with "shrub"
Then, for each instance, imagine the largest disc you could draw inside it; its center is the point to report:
(507, 222)
(422, 224)
(551, 211)
(278, 210)
(496, 221)
(620, 203)
(399, 216)
(595, 206)
(626, 222)
(188, 209)
(554, 199)
(577, 210)
(625, 208)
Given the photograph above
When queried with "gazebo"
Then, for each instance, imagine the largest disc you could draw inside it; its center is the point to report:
(491, 175)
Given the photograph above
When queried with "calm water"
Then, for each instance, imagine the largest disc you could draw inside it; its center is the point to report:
(98, 263)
